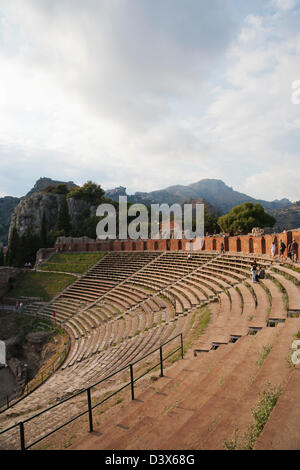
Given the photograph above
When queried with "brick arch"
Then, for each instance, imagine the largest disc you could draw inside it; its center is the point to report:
(251, 247)
(238, 245)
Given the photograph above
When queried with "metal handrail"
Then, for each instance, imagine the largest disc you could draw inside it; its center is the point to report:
(88, 391)
(12, 400)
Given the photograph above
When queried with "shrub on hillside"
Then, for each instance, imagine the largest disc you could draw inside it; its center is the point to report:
(90, 192)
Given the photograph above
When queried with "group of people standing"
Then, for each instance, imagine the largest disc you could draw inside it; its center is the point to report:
(292, 250)
(258, 272)
(19, 307)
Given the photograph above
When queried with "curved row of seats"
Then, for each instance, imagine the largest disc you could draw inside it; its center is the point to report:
(132, 306)
(81, 316)
(143, 310)
(131, 301)
(203, 401)
(207, 398)
(112, 269)
(135, 300)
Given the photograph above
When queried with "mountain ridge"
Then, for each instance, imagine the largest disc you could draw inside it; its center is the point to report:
(214, 192)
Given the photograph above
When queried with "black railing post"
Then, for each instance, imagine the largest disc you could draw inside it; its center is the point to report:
(131, 382)
(90, 409)
(161, 362)
(181, 344)
(22, 436)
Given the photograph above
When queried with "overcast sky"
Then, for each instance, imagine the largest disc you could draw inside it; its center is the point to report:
(150, 93)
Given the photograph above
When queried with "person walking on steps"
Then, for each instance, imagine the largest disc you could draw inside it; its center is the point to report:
(282, 248)
(273, 249)
(261, 273)
(294, 251)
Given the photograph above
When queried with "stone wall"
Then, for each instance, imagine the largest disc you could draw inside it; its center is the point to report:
(252, 243)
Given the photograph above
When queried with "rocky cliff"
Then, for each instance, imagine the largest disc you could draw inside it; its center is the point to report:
(7, 205)
(43, 183)
(28, 214)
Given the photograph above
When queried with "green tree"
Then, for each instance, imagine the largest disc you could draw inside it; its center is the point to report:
(22, 249)
(59, 189)
(242, 219)
(54, 234)
(44, 231)
(62, 189)
(210, 222)
(26, 249)
(89, 226)
(13, 247)
(30, 244)
(63, 218)
(90, 192)
(1, 256)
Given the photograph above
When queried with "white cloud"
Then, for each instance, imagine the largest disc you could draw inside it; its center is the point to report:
(254, 124)
(282, 174)
(149, 94)
(284, 5)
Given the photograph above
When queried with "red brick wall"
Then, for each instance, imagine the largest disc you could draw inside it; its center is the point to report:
(232, 243)
(244, 243)
(208, 243)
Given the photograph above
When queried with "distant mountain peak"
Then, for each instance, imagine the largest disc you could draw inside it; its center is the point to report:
(43, 182)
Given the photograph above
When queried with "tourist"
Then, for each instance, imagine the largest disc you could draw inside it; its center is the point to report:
(222, 248)
(261, 273)
(254, 272)
(254, 264)
(21, 307)
(17, 306)
(294, 251)
(282, 248)
(273, 249)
